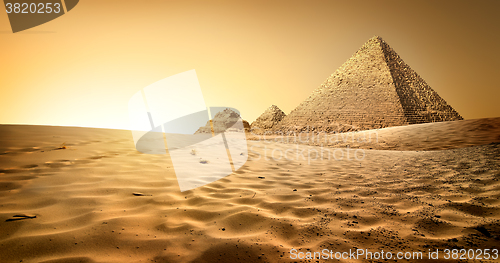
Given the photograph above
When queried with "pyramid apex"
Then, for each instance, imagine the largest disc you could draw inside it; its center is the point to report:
(274, 109)
(374, 42)
(376, 39)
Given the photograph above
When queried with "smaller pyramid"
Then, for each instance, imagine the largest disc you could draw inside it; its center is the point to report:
(224, 121)
(268, 120)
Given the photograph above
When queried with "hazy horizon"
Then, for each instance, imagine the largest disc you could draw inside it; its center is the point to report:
(82, 68)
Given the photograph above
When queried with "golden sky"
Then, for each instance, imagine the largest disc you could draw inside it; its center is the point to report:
(82, 68)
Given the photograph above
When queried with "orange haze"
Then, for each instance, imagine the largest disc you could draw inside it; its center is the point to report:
(81, 69)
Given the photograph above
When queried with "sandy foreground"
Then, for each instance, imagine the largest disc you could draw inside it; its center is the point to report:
(86, 195)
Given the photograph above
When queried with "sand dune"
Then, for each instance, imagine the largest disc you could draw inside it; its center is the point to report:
(96, 199)
(416, 137)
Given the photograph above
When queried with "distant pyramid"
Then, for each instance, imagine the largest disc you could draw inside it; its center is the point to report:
(373, 89)
(268, 120)
(224, 121)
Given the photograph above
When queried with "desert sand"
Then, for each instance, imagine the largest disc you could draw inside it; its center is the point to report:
(72, 194)
(416, 137)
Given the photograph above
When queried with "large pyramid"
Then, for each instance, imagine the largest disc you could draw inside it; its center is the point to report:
(267, 120)
(373, 89)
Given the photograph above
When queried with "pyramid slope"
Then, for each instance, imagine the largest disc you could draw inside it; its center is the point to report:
(421, 104)
(373, 89)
